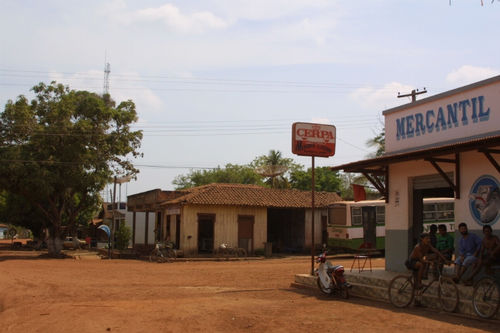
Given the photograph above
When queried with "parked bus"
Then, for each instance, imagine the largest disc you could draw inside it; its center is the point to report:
(353, 223)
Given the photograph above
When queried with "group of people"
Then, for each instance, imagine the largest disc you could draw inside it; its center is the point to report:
(472, 253)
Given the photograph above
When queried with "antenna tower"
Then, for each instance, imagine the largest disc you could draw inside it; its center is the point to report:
(107, 70)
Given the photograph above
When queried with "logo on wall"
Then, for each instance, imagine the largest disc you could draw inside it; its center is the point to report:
(484, 200)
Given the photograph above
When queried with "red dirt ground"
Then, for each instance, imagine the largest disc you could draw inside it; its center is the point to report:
(68, 295)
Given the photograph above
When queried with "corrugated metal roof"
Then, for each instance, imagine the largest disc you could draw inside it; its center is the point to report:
(252, 196)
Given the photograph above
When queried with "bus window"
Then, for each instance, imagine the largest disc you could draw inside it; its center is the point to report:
(380, 214)
(356, 216)
(440, 211)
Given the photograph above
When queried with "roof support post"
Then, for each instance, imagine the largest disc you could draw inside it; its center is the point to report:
(454, 186)
(487, 153)
(380, 179)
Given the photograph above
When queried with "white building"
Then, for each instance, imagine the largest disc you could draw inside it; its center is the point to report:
(443, 145)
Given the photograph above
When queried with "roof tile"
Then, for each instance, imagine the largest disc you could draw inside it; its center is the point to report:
(252, 196)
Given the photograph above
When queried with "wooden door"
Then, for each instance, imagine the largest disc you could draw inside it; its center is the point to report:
(245, 232)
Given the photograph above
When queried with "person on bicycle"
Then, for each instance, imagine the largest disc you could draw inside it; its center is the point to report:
(418, 260)
(488, 255)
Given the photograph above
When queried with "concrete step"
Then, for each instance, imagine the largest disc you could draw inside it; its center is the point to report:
(374, 285)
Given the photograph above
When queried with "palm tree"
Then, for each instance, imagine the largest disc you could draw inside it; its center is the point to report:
(274, 166)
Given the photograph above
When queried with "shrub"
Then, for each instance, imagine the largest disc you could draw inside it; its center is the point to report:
(122, 236)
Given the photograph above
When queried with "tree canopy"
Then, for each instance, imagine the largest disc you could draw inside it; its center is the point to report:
(60, 149)
(231, 173)
(325, 179)
(275, 168)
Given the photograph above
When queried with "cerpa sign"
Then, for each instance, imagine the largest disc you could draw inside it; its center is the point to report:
(310, 139)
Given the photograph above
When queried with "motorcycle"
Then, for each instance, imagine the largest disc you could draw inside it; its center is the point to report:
(330, 278)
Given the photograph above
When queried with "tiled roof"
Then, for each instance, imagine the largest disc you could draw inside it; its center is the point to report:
(252, 196)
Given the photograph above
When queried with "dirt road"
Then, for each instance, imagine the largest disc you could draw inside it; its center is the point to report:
(67, 295)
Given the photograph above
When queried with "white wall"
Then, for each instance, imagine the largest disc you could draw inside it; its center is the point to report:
(318, 212)
(140, 226)
(473, 166)
(398, 212)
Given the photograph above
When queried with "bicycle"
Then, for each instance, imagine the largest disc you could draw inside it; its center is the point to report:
(163, 252)
(402, 289)
(486, 296)
(224, 250)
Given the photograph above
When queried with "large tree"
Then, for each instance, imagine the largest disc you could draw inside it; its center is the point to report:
(60, 149)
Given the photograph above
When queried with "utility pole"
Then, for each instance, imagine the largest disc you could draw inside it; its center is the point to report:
(413, 94)
(113, 225)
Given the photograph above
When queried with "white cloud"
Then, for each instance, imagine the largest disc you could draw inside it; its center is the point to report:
(171, 16)
(381, 98)
(470, 74)
(307, 29)
(261, 10)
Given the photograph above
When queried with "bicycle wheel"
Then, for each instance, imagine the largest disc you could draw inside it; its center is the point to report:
(448, 294)
(401, 291)
(241, 252)
(153, 256)
(486, 297)
(170, 254)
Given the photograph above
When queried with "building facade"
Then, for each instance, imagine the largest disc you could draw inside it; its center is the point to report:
(447, 145)
(200, 219)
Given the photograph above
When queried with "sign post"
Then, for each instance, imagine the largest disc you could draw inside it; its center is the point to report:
(310, 139)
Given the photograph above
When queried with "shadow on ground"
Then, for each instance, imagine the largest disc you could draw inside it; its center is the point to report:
(452, 318)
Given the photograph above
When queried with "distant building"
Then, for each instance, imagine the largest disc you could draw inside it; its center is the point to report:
(3, 231)
(199, 219)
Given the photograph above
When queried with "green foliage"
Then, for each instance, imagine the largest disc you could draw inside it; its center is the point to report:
(325, 179)
(59, 150)
(379, 143)
(294, 175)
(275, 168)
(231, 173)
(122, 237)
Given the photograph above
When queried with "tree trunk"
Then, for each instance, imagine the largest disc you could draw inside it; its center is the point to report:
(55, 243)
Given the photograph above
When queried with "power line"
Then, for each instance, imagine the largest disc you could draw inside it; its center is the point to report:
(192, 80)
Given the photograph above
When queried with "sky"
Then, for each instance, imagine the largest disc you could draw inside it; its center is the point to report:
(222, 81)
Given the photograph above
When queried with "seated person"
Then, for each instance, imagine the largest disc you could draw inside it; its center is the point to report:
(445, 242)
(418, 260)
(489, 254)
(468, 250)
(433, 234)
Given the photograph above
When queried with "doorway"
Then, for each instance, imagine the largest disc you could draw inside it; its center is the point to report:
(286, 229)
(177, 231)
(418, 209)
(206, 233)
(324, 229)
(159, 227)
(369, 215)
(245, 232)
